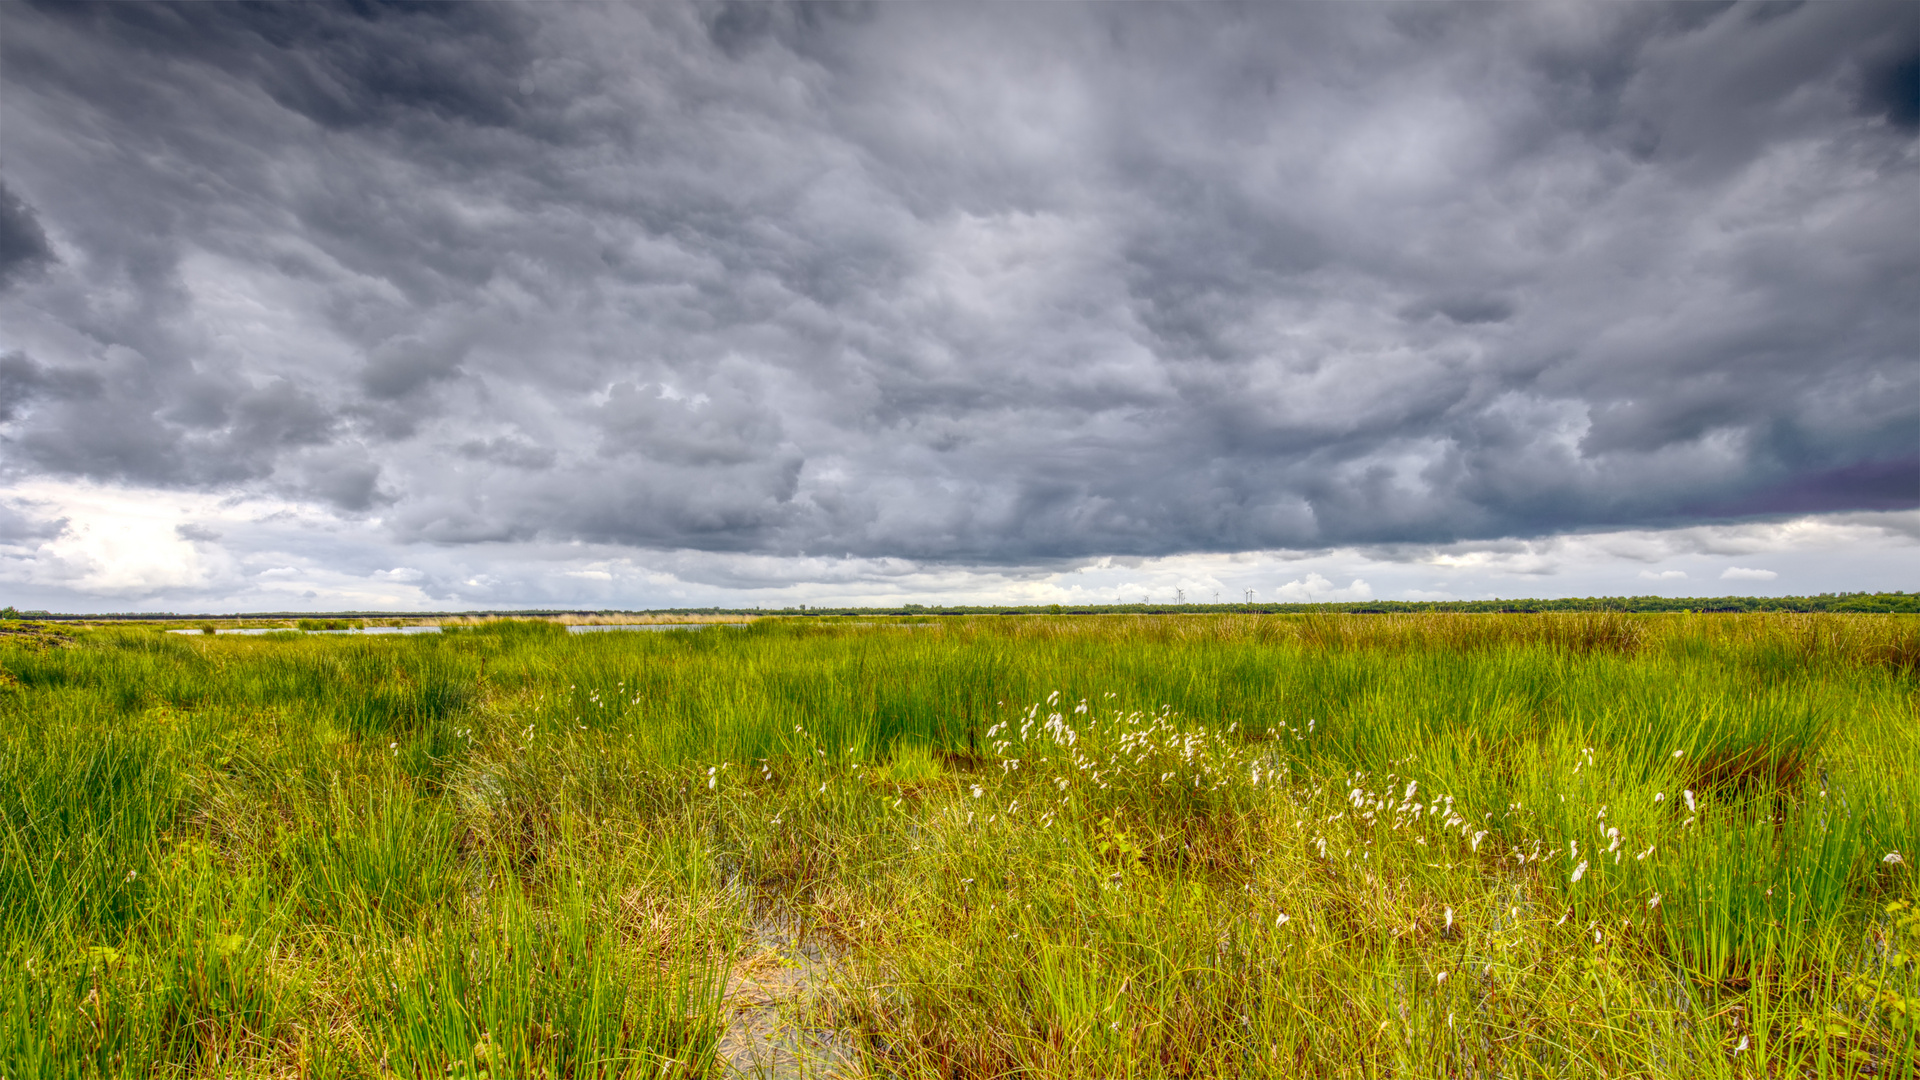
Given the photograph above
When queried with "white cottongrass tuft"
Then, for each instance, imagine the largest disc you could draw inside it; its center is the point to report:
(1579, 871)
(1688, 795)
(1893, 858)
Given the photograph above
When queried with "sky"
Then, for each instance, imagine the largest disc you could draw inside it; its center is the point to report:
(594, 305)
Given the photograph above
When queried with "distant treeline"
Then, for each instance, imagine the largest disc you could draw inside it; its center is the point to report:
(1856, 602)
(1887, 602)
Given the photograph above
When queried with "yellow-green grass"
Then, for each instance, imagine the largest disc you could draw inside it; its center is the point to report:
(1446, 845)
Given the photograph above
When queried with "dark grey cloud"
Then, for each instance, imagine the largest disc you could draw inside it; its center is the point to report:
(1465, 308)
(23, 243)
(21, 526)
(1890, 83)
(506, 450)
(22, 381)
(934, 282)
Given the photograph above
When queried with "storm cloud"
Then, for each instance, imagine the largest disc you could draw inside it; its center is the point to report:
(1001, 286)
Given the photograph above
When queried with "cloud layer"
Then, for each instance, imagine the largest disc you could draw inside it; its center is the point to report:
(78, 546)
(926, 283)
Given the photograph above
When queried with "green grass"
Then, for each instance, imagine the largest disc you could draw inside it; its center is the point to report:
(1220, 845)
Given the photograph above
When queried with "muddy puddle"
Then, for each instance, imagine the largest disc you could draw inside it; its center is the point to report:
(780, 1008)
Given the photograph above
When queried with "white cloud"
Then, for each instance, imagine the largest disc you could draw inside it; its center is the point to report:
(1315, 589)
(1664, 575)
(117, 543)
(1743, 573)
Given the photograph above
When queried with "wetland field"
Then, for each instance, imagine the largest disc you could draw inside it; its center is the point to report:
(1223, 845)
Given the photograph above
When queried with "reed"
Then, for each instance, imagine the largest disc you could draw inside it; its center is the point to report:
(1219, 845)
